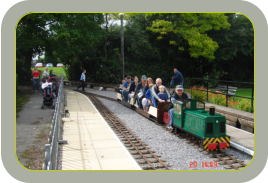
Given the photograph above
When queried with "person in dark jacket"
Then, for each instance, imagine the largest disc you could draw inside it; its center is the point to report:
(132, 88)
(179, 94)
(177, 78)
(140, 90)
(155, 91)
(51, 73)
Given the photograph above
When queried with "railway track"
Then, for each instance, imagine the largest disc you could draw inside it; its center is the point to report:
(137, 148)
(135, 145)
(221, 157)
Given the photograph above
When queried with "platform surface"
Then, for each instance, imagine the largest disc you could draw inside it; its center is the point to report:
(92, 145)
(241, 137)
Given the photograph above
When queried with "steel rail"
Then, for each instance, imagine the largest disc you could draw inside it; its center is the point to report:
(121, 132)
(223, 156)
(97, 102)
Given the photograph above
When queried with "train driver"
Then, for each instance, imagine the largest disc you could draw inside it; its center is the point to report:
(179, 94)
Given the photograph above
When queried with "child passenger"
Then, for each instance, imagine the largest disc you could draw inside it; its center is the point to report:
(162, 95)
(121, 86)
(146, 101)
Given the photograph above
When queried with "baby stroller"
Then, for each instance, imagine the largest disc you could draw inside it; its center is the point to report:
(54, 85)
(49, 92)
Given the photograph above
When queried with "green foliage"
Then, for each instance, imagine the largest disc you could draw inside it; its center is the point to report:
(216, 75)
(153, 45)
(192, 27)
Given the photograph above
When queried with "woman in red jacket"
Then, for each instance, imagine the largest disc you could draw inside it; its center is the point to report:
(35, 74)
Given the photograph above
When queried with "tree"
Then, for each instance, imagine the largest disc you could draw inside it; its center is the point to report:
(31, 36)
(236, 49)
(110, 18)
(191, 27)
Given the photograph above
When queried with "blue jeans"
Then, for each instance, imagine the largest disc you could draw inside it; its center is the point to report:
(154, 102)
(139, 103)
(125, 95)
(35, 81)
(170, 112)
(180, 82)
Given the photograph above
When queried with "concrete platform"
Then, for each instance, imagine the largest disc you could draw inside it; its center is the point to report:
(92, 145)
(241, 137)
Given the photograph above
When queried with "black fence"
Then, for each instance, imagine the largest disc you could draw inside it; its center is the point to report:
(226, 86)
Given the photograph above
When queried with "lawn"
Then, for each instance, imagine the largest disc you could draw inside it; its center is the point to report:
(58, 71)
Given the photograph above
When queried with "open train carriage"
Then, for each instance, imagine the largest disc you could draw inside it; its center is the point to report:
(209, 128)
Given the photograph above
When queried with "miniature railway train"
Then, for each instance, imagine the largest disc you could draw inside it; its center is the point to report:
(204, 127)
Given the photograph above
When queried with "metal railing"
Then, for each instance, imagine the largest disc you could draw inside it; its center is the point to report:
(205, 82)
(52, 148)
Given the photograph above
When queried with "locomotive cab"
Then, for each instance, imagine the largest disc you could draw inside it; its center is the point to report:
(180, 107)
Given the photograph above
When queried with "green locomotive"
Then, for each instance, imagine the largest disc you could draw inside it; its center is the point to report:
(210, 128)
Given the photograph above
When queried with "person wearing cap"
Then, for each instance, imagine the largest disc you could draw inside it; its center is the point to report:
(126, 87)
(179, 94)
(177, 77)
(155, 91)
(140, 90)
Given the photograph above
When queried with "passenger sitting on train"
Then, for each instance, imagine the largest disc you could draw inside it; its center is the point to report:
(140, 90)
(162, 95)
(146, 101)
(155, 91)
(126, 87)
(148, 82)
(133, 87)
(121, 86)
(179, 94)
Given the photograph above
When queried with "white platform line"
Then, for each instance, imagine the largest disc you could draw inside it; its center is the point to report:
(241, 148)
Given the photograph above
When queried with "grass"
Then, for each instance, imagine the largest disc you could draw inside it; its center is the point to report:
(56, 70)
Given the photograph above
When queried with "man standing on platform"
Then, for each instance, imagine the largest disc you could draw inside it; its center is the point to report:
(82, 79)
(177, 77)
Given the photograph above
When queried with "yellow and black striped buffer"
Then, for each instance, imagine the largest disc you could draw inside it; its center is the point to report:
(218, 140)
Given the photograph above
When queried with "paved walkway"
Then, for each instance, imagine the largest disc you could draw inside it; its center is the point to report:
(92, 145)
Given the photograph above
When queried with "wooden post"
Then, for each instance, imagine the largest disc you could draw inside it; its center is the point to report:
(122, 48)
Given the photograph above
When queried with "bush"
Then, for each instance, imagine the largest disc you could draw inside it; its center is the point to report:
(235, 103)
